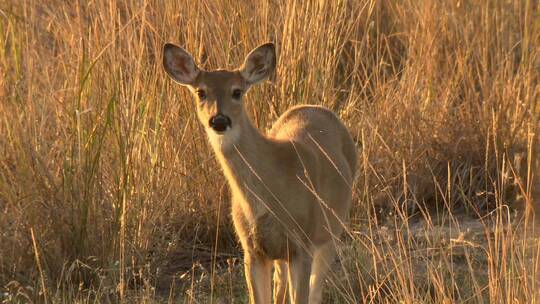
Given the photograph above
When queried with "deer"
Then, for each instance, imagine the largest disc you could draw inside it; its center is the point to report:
(291, 189)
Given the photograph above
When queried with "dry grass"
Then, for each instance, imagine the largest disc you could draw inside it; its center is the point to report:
(109, 191)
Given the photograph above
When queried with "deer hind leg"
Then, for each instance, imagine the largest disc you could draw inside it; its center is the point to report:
(280, 282)
(299, 272)
(322, 261)
(258, 277)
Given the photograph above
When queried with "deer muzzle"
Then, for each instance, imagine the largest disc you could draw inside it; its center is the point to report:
(220, 123)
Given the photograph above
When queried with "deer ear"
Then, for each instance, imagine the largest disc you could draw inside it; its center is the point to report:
(259, 63)
(179, 64)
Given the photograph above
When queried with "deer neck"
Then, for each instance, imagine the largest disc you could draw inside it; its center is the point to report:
(248, 159)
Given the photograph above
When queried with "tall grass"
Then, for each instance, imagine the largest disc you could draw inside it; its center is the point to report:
(109, 191)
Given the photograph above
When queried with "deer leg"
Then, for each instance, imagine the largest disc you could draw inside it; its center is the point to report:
(322, 261)
(280, 282)
(299, 273)
(258, 277)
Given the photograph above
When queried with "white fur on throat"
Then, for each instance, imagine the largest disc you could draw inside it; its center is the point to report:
(223, 141)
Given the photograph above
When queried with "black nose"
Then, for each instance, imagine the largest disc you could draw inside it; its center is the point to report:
(220, 122)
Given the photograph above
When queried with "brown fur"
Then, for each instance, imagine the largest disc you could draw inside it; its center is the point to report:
(291, 189)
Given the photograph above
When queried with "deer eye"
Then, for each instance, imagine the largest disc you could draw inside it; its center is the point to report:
(237, 93)
(201, 94)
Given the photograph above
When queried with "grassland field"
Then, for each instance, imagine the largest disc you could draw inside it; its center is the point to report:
(110, 193)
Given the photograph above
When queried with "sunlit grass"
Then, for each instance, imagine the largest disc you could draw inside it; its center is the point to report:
(110, 192)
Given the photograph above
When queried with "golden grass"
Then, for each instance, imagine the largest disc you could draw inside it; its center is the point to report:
(109, 191)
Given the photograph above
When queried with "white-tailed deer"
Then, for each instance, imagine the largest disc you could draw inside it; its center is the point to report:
(291, 188)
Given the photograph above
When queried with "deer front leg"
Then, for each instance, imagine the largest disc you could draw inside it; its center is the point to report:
(322, 261)
(258, 277)
(299, 273)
